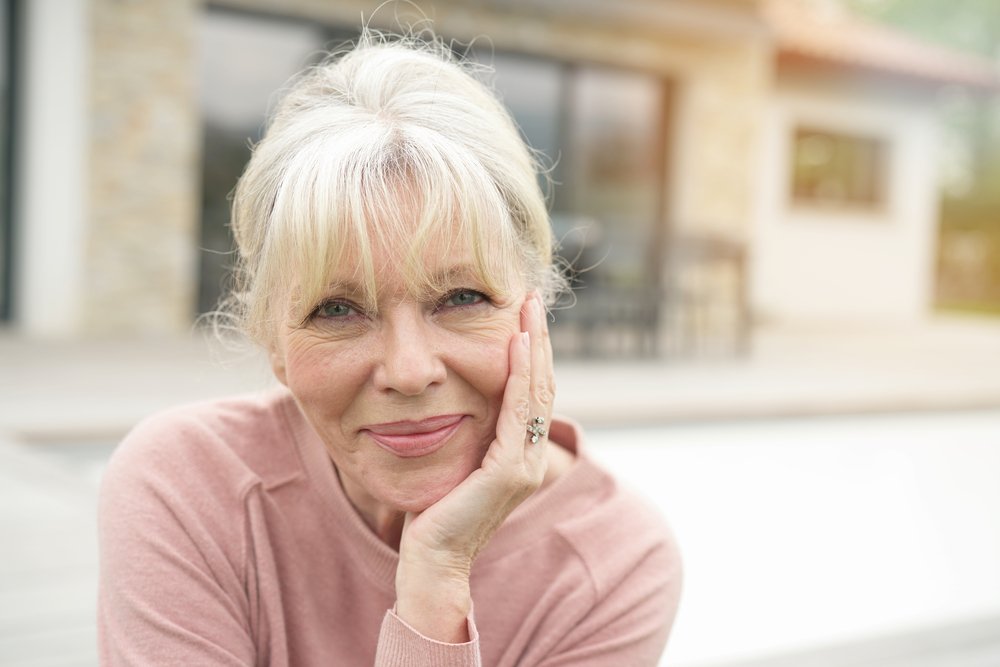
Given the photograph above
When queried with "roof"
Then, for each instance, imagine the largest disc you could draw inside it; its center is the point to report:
(824, 33)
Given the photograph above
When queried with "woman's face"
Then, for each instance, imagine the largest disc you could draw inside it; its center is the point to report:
(406, 399)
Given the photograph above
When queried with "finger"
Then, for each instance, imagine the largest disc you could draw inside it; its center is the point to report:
(541, 393)
(515, 406)
(546, 365)
(548, 362)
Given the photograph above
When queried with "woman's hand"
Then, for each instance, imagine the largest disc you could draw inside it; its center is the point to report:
(439, 545)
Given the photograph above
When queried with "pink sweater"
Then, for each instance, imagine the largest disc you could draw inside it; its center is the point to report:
(226, 539)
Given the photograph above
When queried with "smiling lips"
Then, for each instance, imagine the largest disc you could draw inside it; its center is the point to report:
(414, 438)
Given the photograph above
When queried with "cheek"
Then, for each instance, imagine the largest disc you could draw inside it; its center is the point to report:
(323, 372)
(484, 363)
(496, 372)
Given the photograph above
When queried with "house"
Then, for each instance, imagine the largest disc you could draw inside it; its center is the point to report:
(850, 176)
(717, 160)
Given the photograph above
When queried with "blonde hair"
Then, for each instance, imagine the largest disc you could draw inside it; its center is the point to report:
(391, 144)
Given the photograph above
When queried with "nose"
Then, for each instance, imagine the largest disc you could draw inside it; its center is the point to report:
(410, 360)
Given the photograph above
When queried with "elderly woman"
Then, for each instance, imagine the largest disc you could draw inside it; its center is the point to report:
(405, 497)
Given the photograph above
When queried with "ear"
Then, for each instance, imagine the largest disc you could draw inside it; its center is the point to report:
(277, 357)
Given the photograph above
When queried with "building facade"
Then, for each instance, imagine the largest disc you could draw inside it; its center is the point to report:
(679, 134)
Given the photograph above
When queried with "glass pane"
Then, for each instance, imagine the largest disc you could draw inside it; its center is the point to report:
(614, 173)
(603, 131)
(531, 88)
(244, 60)
(600, 129)
(837, 169)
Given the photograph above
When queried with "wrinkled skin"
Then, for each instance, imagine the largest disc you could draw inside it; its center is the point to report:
(463, 352)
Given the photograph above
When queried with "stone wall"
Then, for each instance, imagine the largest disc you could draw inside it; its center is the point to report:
(720, 110)
(140, 267)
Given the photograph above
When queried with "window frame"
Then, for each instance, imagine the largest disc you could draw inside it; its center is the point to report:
(878, 144)
(13, 11)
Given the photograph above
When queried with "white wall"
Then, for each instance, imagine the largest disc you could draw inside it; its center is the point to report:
(51, 217)
(814, 265)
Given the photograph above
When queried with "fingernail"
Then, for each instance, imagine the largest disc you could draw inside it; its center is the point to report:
(524, 339)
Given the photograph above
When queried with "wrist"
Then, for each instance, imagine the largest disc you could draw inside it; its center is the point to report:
(434, 603)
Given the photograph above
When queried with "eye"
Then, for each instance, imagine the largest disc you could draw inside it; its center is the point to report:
(463, 297)
(334, 310)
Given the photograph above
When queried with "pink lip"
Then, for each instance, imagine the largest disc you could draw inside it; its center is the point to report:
(414, 438)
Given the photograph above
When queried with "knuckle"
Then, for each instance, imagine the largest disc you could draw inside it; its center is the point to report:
(525, 481)
(543, 393)
(521, 409)
(543, 330)
(545, 334)
(525, 374)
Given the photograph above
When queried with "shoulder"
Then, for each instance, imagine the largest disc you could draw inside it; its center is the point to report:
(220, 446)
(605, 556)
(177, 511)
(619, 534)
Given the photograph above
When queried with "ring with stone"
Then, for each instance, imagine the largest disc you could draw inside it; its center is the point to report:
(535, 428)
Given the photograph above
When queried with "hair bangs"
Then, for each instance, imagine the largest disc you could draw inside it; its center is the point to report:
(450, 207)
(404, 200)
(389, 157)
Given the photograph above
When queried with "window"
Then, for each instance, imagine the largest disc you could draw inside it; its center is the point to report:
(615, 170)
(245, 58)
(602, 131)
(838, 170)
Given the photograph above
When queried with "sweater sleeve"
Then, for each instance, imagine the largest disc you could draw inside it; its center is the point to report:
(170, 593)
(399, 645)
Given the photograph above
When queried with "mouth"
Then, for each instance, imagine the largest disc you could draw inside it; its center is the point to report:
(414, 438)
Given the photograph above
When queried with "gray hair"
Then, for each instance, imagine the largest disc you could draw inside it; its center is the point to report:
(391, 144)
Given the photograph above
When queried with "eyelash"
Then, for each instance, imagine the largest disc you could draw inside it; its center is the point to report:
(317, 312)
(482, 298)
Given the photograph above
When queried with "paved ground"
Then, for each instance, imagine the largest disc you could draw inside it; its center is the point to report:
(62, 404)
(865, 540)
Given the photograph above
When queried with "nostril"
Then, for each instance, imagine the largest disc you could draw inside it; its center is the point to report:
(410, 369)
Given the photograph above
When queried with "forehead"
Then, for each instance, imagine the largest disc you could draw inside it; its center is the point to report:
(442, 259)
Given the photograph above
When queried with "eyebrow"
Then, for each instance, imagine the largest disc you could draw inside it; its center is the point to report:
(457, 271)
(452, 273)
(348, 286)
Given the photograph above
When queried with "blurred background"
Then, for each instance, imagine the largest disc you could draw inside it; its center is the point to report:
(782, 219)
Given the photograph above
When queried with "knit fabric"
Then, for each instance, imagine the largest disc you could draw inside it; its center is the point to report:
(226, 539)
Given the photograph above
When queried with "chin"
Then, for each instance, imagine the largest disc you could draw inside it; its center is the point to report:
(415, 502)
(422, 495)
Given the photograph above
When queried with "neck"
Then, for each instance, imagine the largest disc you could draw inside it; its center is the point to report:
(386, 523)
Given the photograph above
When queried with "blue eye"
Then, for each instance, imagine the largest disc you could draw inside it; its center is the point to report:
(334, 310)
(464, 297)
